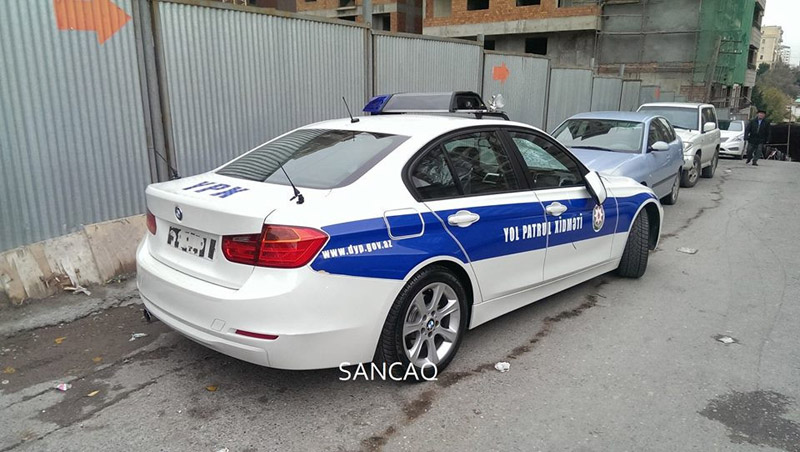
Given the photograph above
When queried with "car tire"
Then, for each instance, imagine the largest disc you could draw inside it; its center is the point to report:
(689, 178)
(708, 172)
(637, 250)
(428, 341)
(672, 197)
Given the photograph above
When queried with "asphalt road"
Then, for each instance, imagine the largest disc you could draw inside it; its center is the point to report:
(610, 365)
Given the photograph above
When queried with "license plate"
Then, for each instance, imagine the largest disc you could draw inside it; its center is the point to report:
(192, 243)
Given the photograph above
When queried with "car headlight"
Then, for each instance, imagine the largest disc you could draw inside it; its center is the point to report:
(738, 138)
(687, 146)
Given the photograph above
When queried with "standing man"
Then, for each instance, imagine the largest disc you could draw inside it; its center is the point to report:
(756, 135)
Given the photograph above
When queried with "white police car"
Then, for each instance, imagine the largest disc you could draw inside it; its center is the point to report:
(403, 232)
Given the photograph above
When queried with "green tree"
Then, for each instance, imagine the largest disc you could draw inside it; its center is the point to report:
(762, 68)
(775, 103)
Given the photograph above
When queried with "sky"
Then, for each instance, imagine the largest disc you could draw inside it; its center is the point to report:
(786, 13)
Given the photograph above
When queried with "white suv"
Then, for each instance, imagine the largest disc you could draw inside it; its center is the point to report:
(697, 126)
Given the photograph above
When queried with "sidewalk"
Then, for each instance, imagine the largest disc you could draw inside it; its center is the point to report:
(66, 307)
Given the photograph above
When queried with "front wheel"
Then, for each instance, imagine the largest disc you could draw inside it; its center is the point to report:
(690, 176)
(637, 249)
(672, 197)
(425, 326)
(708, 172)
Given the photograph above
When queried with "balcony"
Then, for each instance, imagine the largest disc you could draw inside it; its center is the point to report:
(755, 37)
(750, 77)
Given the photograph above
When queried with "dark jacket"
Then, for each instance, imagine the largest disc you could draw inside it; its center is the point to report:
(755, 135)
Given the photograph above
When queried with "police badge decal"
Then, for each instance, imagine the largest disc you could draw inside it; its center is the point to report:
(598, 218)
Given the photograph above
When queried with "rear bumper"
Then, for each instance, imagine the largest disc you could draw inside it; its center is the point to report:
(321, 320)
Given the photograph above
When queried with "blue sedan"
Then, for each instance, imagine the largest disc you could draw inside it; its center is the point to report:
(641, 146)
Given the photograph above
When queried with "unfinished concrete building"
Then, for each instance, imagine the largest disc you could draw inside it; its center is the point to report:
(693, 50)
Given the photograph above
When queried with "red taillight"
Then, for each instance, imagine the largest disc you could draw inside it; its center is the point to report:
(276, 246)
(269, 337)
(151, 222)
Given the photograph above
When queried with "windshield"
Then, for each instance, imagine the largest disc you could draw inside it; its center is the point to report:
(605, 134)
(680, 117)
(314, 158)
(733, 126)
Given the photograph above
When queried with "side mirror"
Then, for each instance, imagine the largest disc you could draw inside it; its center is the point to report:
(660, 146)
(596, 188)
(709, 126)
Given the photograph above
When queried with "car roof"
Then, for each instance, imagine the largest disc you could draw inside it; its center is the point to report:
(676, 104)
(411, 124)
(617, 115)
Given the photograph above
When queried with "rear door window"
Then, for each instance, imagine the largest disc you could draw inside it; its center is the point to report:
(314, 158)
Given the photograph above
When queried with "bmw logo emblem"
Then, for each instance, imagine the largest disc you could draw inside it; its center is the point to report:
(178, 213)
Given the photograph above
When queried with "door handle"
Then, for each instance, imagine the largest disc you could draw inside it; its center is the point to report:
(463, 218)
(555, 209)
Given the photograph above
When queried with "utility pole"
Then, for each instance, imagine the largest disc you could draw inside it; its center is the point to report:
(366, 11)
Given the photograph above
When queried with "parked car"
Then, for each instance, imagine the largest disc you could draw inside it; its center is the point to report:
(696, 124)
(732, 138)
(383, 237)
(641, 146)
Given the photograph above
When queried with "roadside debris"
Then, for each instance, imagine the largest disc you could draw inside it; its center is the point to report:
(686, 250)
(5, 382)
(224, 449)
(9, 370)
(135, 336)
(211, 388)
(727, 340)
(59, 340)
(97, 359)
(502, 366)
(63, 387)
(93, 393)
(78, 289)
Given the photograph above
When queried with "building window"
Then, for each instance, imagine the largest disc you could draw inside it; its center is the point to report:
(350, 18)
(537, 46)
(528, 2)
(473, 5)
(346, 3)
(488, 44)
(382, 22)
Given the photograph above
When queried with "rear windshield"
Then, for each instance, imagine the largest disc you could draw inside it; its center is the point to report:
(315, 158)
(733, 126)
(680, 117)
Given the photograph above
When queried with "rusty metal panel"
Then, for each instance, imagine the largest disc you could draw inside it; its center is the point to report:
(570, 93)
(522, 81)
(606, 94)
(407, 63)
(72, 134)
(630, 95)
(237, 78)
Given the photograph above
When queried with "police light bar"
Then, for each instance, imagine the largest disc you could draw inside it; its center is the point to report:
(454, 102)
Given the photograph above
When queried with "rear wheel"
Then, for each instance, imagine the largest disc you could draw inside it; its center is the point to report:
(672, 197)
(425, 326)
(634, 259)
(690, 176)
(708, 172)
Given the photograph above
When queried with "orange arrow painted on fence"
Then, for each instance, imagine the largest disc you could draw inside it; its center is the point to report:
(500, 73)
(101, 16)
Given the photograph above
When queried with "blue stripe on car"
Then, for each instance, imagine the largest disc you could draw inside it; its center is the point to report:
(363, 247)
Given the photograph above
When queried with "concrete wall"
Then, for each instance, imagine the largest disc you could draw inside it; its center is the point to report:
(93, 255)
(574, 49)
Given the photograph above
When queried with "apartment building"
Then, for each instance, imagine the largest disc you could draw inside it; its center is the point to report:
(387, 15)
(784, 54)
(696, 51)
(562, 30)
(771, 39)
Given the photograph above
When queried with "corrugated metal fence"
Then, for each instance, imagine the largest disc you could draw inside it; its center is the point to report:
(95, 101)
(236, 79)
(414, 63)
(522, 80)
(73, 147)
